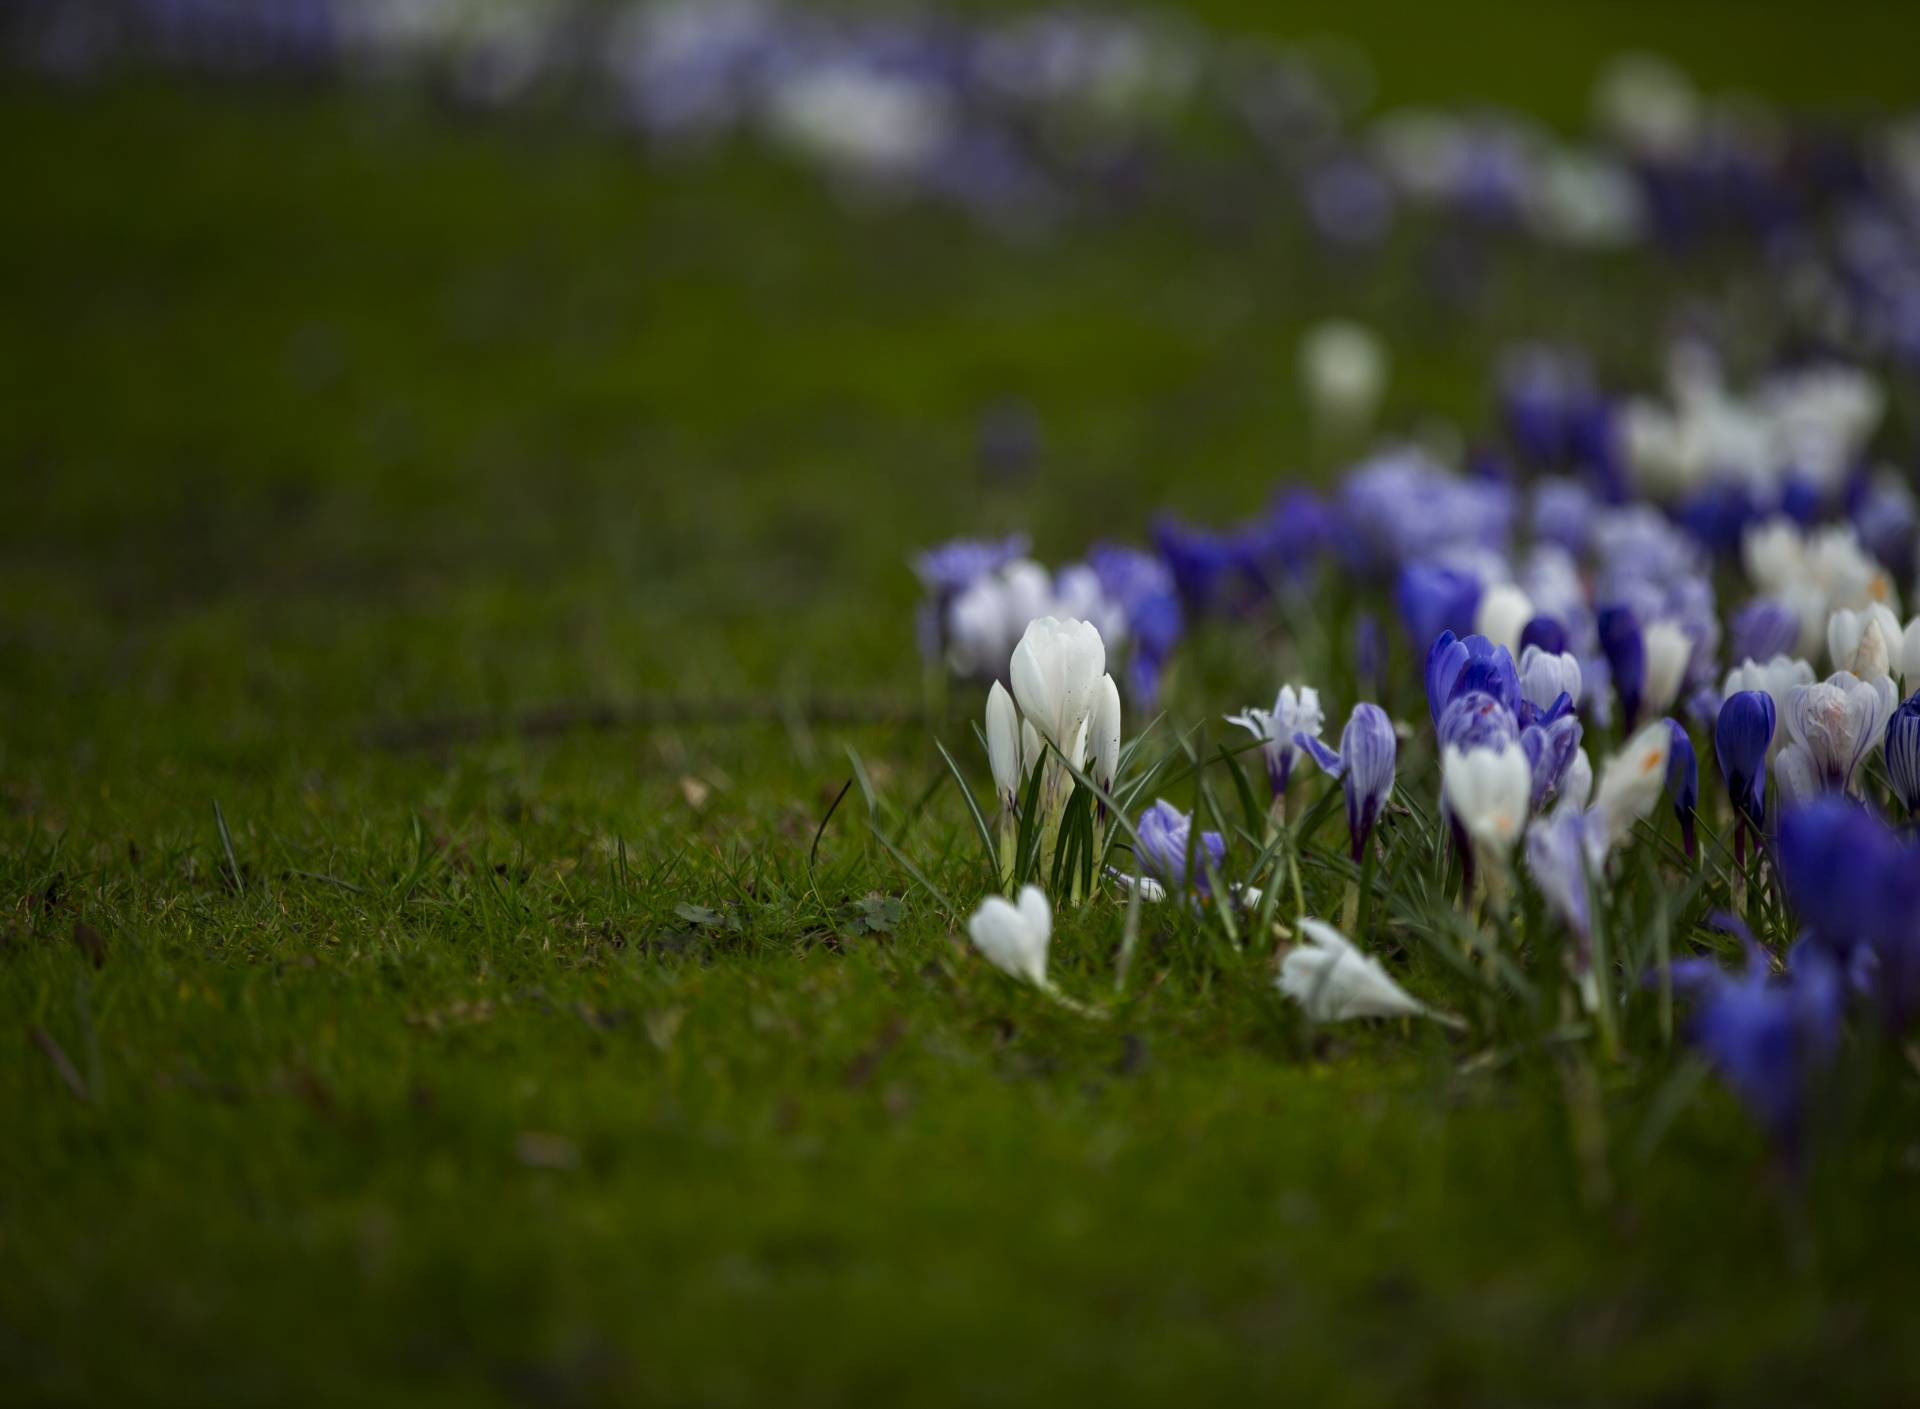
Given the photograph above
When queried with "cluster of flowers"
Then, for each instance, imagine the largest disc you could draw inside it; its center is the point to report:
(1018, 117)
(1602, 622)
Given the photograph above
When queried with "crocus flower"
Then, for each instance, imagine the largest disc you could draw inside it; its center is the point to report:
(1168, 853)
(1549, 749)
(1831, 729)
(1003, 747)
(1296, 710)
(1742, 736)
(1477, 721)
(1576, 784)
(1014, 936)
(1762, 629)
(1632, 781)
(1903, 753)
(1503, 614)
(1330, 978)
(1433, 599)
(1487, 792)
(1056, 671)
(1833, 852)
(1456, 667)
(1669, 653)
(1105, 730)
(1764, 1038)
(1773, 679)
(1626, 652)
(1683, 781)
(1364, 765)
(1865, 643)
(1544, 633)
(1562, 849)
(1545, 677)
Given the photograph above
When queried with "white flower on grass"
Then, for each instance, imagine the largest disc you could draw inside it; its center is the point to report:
(1545, 676)
(1633, 781)
(1334, 981)
(1775, 679)
(1343, 368)
(1488, 792)
(1865, 643)
(1056, 671)
(1503, 614)
(1014, 935)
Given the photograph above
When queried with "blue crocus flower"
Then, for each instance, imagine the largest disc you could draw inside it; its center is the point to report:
(1626, 651)
(1550, 747)
(1903, 753)
(1364, 765)
(1683, 781)
(1766, 1038)
(1741, 736)
(1168, 852)
(1476, 720)
(1433, 599)
(1203, 563)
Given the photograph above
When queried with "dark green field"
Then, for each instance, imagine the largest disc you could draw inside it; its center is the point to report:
(530, 1064)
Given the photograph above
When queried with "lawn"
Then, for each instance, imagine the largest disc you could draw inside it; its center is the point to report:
(372, 1038)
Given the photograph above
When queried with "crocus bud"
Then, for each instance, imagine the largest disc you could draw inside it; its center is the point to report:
(1487, 791)
(1632, 780)
(1742, 736)
(1576, 784)
(1683, 781)
(1503, 614)
(1561, 849)
(1003, 745)
(1167, 851)
(1056, 671)
(1343, 369)
(1773, 679)
(1625, 648)
(1544, 633)
(1106, 733)
(1367, 752)
(1865, 643)
(1903, 753)
(1433, 600)
(1669, 651)
(1014, 937)
(1333, 981)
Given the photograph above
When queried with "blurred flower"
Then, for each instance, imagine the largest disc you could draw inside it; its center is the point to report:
(1562, 849)
(1169, 853)
(1432, 599)
(1334, 981)
(1545, 677)
(1503, 614)
(1865, 643)
(1014, 937)
(1488, 792)
(1461, 667)
(1762, 629)
(1683, 781)
(1343, 369)
(1632, 781)
(1003, 747)
(1903, 753)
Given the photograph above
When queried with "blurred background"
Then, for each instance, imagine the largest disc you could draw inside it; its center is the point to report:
(372, 358)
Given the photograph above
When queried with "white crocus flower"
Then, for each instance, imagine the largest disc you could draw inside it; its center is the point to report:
(1003, 746)
(1865, 643)
(1503, 614)
(1576, 784)
(1669, 651)
(1334, 981)
(1106, 733)
(1014, 936)
(1545, 676)
(1343, 369)
(1296, 710)
(1910, 654)
(1633, 781)
(1832, 727)
(1056, 671)
(1488, 791)
(1774, 679)
(1774, 554)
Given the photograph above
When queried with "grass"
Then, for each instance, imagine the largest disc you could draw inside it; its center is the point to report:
(549, 1067)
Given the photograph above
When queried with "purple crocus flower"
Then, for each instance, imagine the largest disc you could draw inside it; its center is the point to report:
(1476, 720)
(1141, 583)
(1683, 781)
(1168, 852)
(953, 567)
(1766, 1039)
(1456, 667)
(1550, 747)
(1903, 753)
(1205, 567)
(1364, 765)
(1433, 599)
(1833, 853)
(1762, 629)
(1545, 633)
(1741, 736)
